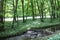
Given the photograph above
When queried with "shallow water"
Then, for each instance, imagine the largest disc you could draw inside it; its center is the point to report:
(31, 35)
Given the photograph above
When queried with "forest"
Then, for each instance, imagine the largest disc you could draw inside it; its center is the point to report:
(17, 17)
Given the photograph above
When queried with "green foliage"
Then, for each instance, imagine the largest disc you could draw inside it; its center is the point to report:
(46, 9)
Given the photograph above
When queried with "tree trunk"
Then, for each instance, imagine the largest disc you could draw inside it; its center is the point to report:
(1, 15)
(51, 2)
(23, 10)
(42, 4)
(15, 12)
(32, 9)
(27, 9)
(38, 8)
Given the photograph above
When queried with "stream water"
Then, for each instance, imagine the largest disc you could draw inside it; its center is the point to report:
(31, 34)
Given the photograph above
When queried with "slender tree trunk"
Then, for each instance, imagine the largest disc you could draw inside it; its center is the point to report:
(1, 15)
(14, 15)
(4, 11)
(32, 9)
(54, 8)
(35, 7)
(15, 12)
(38, 8)
(14, 8)
(51, 2)
(27, 9)
(23, 10)
(58, 8)
(42, 5)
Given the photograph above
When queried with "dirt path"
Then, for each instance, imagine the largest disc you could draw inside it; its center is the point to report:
(11, 19)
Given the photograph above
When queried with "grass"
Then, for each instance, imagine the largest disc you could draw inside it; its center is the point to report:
(22, 27)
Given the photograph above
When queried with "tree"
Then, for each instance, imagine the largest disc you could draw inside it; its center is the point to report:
(27, 9)
(51, 2)
(53, 8)
(15, 11)
(58, 8)
(35, 7)
(1, 15)
(23, 10)
(41, 9)
(32, 9)
(38, 5)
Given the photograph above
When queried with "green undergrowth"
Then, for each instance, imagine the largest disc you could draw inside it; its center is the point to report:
(22, 27)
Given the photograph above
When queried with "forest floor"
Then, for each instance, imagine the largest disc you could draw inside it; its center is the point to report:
(22, 27)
